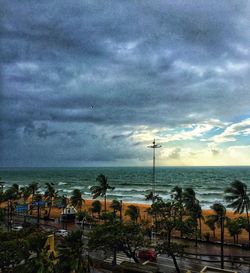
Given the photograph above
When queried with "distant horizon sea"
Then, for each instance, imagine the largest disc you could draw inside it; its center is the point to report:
(133, 183)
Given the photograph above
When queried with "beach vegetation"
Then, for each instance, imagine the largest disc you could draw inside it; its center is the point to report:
(34, 187)
(101, 189)
(25, 193)
(50, 195)
(177, 196)
(211, 225)
(219, 218)
(237, 197)
(12, 193)
(76, 199)
(84, 216)
(116, 206)
(107, 216)
(133, 212)
(234, 227)
(96, 207)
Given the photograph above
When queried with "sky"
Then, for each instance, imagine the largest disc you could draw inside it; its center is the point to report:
(92, 83)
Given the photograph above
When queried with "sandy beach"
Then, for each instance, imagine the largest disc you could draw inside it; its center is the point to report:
(243, 237)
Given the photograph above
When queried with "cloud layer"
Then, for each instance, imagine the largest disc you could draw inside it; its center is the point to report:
(92, 83)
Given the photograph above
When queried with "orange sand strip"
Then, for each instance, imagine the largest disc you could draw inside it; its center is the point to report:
(243, 237)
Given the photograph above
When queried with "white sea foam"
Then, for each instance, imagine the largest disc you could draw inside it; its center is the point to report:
(62, 183)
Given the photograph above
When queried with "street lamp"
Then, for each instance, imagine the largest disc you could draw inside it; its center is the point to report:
(154, 146)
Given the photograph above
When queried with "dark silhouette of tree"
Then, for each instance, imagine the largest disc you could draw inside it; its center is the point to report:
(101, 189)
(211, 224)
(50, 194)
(189, 198)
(237, 198)
(34, 186)
(177, 196)
(196, 214)
(219, 218)
(117, 236)
(96, 207)
(117, 206)
(12, 193)
(234, 227)
(25, 192)
(71, 252)
(133, 212)
(76, 199)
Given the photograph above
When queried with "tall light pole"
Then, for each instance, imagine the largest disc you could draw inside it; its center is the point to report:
(154, 146)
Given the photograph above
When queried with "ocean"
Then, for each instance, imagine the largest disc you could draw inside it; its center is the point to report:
(132, 183)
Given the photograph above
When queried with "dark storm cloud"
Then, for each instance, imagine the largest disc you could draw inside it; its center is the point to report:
(68, 66)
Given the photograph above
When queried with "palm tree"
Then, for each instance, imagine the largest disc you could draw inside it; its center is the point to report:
(1, 190)
(152, 196)
(76, 199)
(1, 185)
(117, 206)
(133, 212)
(177, 195)
(50, 193)
(12, 193)
(192, 205)
(101, 189)
(219, 218)
(16, 190)
(211, 224)
(64, 201)
(235, 228)
(71, 256)
(96, 207)
(33, 188)
(189, 198)
(238, 198)
(25, 192)
(196, 214)
(38, 198)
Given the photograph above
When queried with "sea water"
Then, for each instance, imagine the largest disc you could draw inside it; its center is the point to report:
(133, 183)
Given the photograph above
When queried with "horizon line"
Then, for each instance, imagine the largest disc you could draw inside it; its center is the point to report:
(147, 166)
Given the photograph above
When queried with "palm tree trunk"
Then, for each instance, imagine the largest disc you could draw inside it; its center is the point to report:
(114, 256)
(38, 214)
(121, 214)
(175, 263)
(169, 237)
(105, 203)
(222, 244)
(248, 222)
(200, 228)
(181, 218)
(50, 206)
(196, 236)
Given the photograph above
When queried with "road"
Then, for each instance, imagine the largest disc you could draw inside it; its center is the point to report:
(195, 265)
